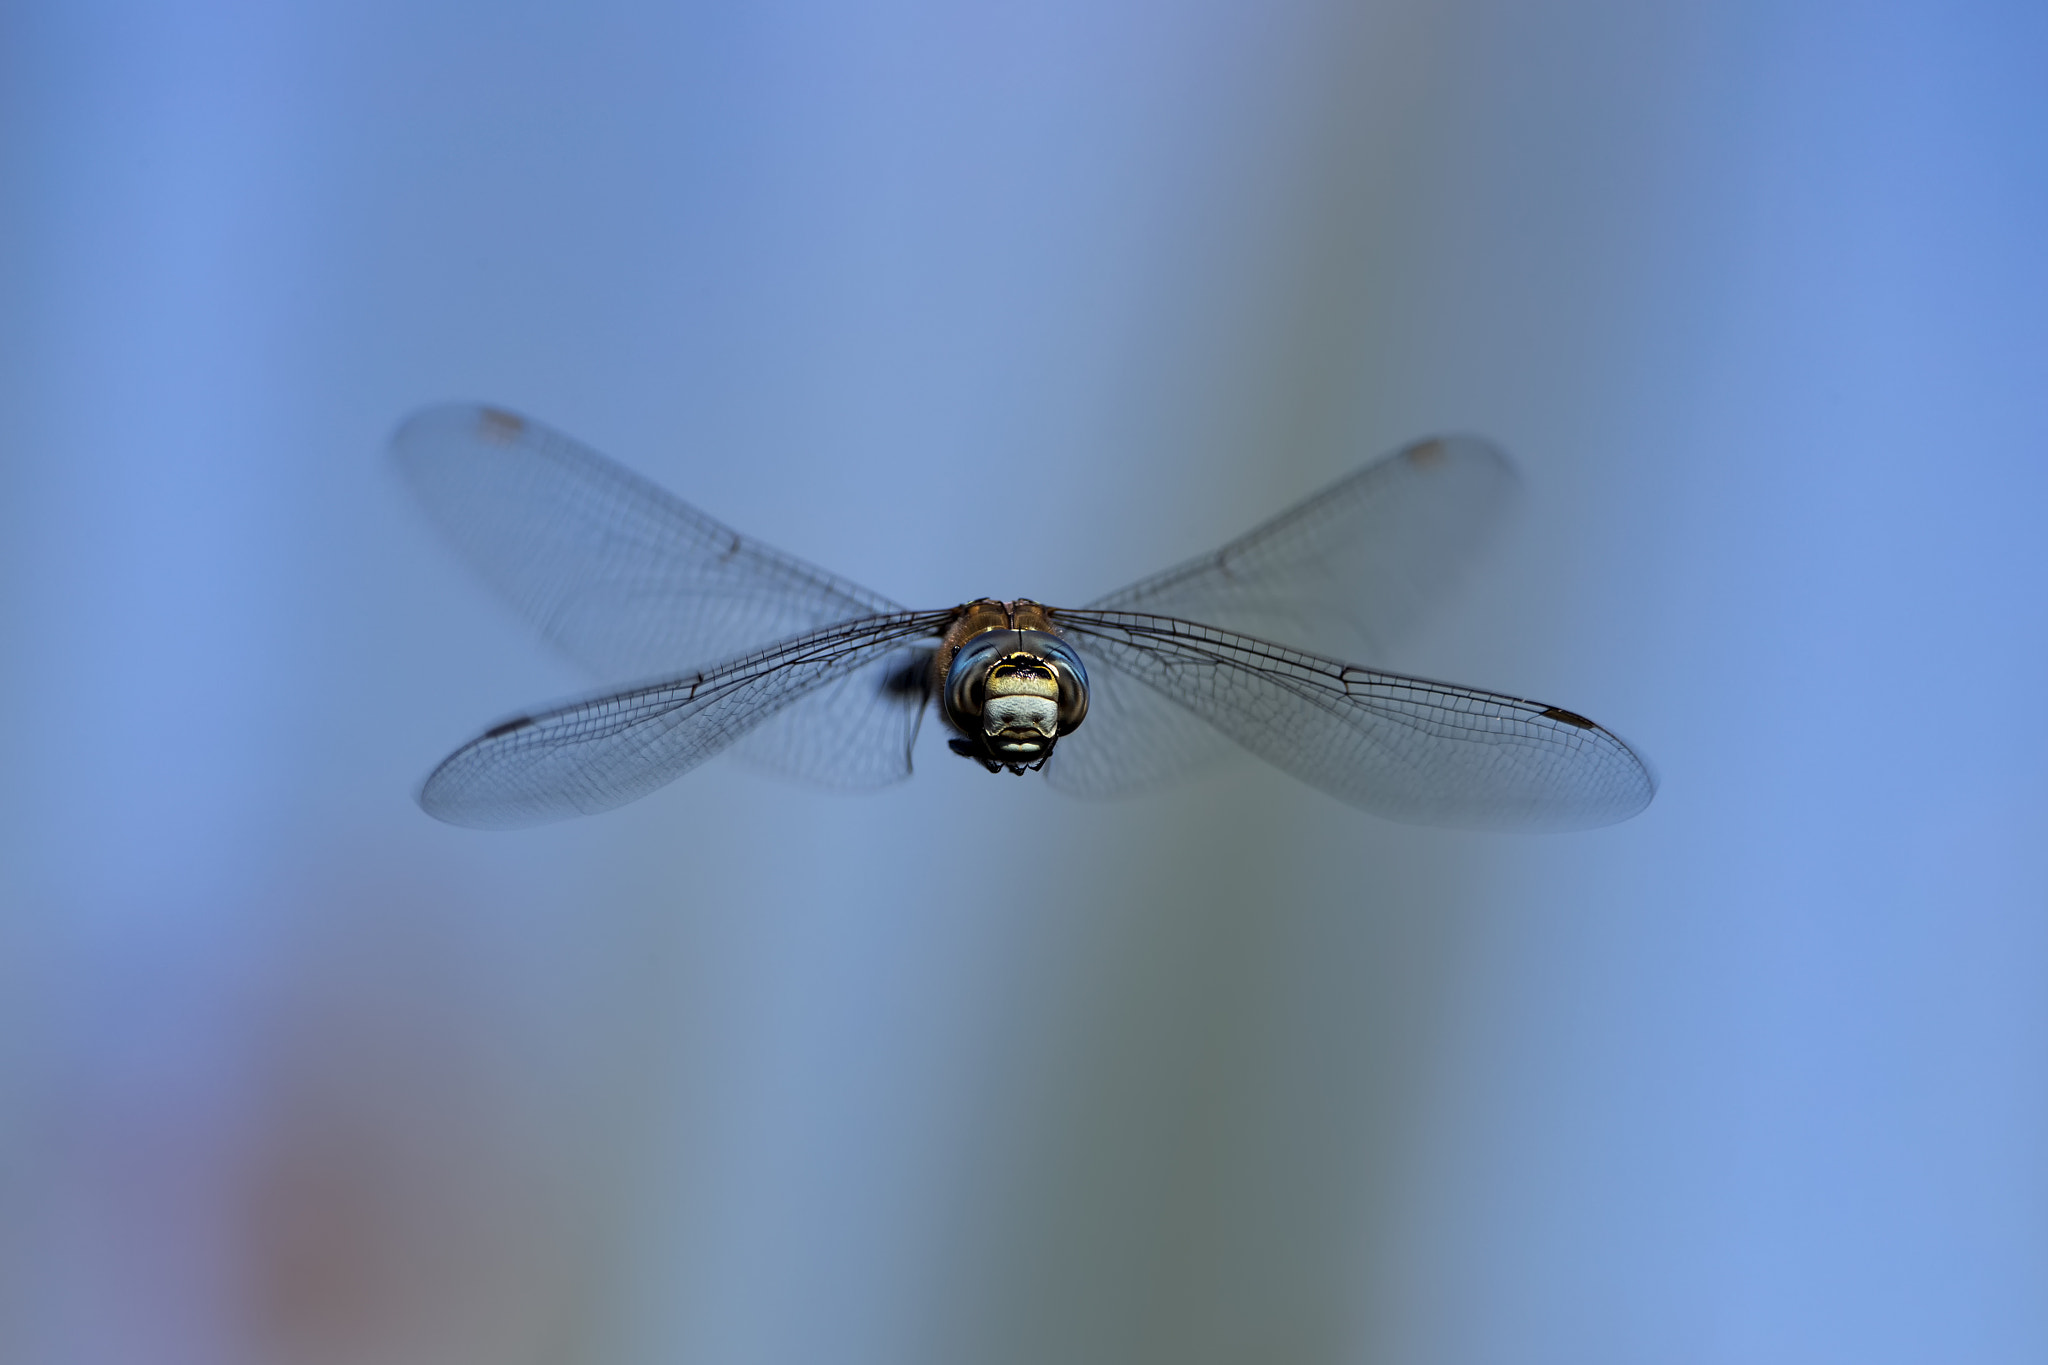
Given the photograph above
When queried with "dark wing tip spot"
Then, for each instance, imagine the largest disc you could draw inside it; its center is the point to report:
(1569, 718)
(495, 424)
(1426, 453)
(516, 723)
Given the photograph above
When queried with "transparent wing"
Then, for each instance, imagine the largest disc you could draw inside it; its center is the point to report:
(619, 574)
(1421, 752)
(1351, 568)
(591, 755)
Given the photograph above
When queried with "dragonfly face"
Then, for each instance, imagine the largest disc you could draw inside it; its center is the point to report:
(744, 649)
(1009, 684)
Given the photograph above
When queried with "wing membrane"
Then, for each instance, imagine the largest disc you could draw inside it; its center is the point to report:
(619, 574)
(1352, 567)
(1404, 748)
(592, 755)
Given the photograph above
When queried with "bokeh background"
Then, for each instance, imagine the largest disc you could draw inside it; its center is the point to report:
(748, 1074)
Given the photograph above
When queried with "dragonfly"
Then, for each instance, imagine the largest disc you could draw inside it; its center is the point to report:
(739, 647)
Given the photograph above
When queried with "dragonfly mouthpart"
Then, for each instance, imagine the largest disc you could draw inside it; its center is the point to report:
(1021, 715)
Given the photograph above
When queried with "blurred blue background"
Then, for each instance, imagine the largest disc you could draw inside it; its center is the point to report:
(747, 1073)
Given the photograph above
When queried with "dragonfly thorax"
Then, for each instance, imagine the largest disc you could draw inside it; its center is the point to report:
(1011, 690)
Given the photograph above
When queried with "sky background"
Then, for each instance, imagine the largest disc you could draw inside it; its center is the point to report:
(747, 1073)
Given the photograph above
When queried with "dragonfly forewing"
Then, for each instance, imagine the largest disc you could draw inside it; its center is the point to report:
(1352, 568)
(619, 574)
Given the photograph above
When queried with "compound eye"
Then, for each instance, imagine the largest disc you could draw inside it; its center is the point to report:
(966, 679)
(1073, 684)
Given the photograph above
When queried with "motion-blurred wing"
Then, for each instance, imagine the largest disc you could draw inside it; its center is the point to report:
(592, 755)
(1351, 568)
(616, 572)
(882, 701)
(1135, 738)
(1420, 752)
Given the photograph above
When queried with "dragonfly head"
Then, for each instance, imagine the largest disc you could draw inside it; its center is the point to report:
(1012, 694)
